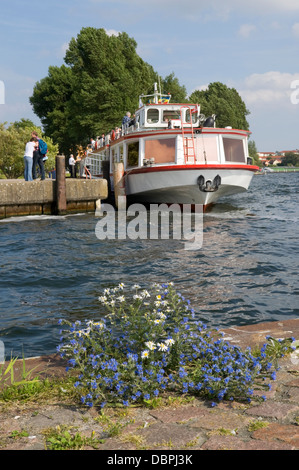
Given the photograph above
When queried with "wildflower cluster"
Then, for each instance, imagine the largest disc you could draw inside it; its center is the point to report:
(150, 342)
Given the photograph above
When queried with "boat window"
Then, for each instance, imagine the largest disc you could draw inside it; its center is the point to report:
(234, 150)
(152, 116)
(162, 150)
(206, 148)
(133, 153)
(171, 114)
(187, 116)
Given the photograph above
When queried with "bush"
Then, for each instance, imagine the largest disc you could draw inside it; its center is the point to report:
(150, 342)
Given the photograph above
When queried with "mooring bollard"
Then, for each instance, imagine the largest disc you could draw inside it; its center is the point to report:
(119, 186)
(106, 176)
(60, 185)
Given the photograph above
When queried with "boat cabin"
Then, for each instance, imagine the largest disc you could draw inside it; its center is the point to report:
(166, 116)
(164, 133)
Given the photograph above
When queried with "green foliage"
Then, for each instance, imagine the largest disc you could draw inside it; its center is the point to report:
(50, 101)
(12, 145)
(253, 153)
(290, 159)
(225, 102)
(63, 438)
(102, 79)
(13, 138)
(22, 390)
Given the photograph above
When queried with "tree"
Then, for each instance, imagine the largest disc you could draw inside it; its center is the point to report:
(253, 153)
(101, 81)
(11, 151)
(290, 159)
(171, 85)
(51, 103)
(13, 139)
(225, 102)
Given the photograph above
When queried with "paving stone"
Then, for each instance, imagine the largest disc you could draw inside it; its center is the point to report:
(117, 444)
(274, 410)
(232, 443)
(169, 435)
(221, 419)
(293, 394)
(283, 432)
(294, 382)
(179, 415)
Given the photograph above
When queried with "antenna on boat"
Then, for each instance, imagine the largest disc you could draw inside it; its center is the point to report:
(155, 93)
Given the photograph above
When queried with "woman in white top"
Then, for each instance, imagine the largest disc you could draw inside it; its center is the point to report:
(28, 158)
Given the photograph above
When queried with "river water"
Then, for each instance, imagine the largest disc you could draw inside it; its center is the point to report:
(246, 271)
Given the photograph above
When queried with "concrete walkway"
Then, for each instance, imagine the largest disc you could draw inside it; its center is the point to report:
(182, 429)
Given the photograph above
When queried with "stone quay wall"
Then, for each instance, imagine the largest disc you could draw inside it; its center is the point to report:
(19, 197)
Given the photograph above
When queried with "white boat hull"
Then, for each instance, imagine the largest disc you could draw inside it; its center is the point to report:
(179, 185)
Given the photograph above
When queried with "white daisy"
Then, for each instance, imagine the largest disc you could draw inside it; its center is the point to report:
(150, 345)
(144, 354)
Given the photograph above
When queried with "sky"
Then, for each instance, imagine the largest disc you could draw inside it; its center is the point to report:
(250, 46)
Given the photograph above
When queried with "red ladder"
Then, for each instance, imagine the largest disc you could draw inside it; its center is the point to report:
(188, 142)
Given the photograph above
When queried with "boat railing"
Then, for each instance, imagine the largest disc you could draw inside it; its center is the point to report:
(91, 165)
(130, 129)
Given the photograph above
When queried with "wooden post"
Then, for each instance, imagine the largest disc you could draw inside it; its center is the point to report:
(106, 176)
(119, 186)
(60, 185)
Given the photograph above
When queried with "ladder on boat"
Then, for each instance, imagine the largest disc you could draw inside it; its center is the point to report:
(188, 142)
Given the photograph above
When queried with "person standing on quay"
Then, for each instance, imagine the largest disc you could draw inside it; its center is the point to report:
(38, 158)
(72, 164)
(28, 158)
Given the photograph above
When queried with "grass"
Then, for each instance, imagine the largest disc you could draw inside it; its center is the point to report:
(68, 438)
(257, 424)
(44, 391)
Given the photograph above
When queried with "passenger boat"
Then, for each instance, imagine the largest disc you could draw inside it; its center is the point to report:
(172, 153)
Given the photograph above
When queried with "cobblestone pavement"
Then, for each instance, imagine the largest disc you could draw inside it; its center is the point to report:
(188, 428)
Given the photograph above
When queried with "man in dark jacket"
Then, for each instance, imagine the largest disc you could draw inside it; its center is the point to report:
(38, 159)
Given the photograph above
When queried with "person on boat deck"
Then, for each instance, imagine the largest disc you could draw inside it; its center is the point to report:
(132, 121)
(102, 140)
(117, 132)
(126, 119)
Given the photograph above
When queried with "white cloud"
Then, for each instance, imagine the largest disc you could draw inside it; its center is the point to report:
(246, 29)
(200, 88)
(112, 32)
(268, 88)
